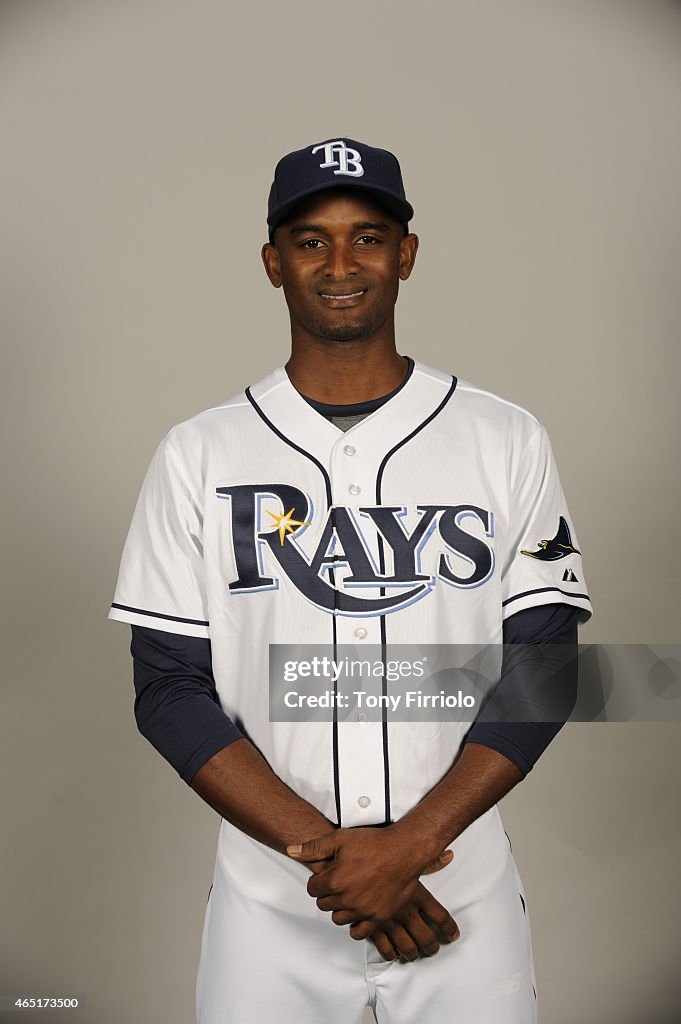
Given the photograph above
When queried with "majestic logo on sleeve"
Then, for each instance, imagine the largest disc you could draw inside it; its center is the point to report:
(371, 549)
(558, 547)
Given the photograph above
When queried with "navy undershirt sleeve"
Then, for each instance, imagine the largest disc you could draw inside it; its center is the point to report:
(177, 707)
(533, 628)
(176, 703)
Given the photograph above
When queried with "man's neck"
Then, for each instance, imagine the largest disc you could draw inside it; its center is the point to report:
(346, 372)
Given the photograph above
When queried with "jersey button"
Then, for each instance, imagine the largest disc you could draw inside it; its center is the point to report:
(361, 633)
(361, 717)
(349, 449)
(354, 489)
(364, 801)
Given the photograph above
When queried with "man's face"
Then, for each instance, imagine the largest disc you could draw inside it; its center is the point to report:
(340, 258)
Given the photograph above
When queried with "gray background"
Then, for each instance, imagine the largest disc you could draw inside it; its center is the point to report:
(540, 147)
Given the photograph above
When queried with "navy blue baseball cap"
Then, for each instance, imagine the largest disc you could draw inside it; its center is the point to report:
(331, 164)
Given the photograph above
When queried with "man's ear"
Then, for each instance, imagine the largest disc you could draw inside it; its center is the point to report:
(408, 249)
(270, 257)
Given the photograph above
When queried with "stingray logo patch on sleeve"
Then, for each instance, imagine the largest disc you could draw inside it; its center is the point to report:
(558, 547)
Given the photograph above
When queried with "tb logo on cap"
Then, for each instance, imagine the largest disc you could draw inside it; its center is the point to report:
(337, 154)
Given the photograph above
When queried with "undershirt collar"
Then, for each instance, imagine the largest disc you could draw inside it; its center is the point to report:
(362, 409)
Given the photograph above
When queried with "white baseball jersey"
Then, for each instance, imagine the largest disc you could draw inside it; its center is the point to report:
(430, 521)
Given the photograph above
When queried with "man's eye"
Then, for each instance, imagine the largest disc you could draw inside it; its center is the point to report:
(311, 243)
(369, 239)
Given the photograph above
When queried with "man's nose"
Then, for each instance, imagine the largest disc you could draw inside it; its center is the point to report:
(341, 261)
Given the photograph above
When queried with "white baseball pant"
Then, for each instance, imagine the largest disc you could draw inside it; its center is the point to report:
(270, 956)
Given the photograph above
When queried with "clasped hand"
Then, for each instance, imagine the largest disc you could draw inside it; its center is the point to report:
(368, 878)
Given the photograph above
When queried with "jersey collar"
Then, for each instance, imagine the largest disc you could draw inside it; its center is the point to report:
(287, 412)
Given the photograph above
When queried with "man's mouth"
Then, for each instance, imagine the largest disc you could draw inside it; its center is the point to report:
(339, 299)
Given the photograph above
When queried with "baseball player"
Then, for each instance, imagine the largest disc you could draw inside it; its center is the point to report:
(354, 496)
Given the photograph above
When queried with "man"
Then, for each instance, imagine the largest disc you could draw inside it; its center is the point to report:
(353, 497)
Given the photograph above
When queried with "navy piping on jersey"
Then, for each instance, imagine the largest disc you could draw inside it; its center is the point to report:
(334, 737)
(381, 564)
(415, 431)
(159, 615)
(329, 502)
(292, 444)
(543, 590)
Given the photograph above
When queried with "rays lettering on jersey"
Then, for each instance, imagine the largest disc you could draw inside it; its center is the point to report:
(345, 541)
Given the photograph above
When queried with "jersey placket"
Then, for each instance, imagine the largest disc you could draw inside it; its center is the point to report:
(360, 737)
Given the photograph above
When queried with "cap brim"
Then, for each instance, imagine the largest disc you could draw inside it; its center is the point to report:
(400, 208)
